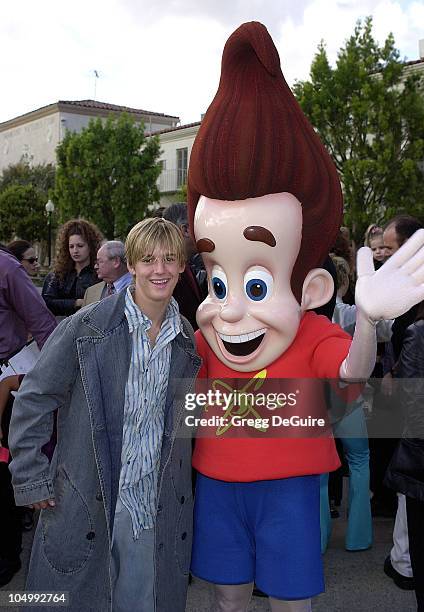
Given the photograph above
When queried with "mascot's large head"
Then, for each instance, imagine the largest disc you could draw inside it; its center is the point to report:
(265, 206)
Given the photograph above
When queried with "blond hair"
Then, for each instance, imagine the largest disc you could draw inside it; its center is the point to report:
(151, 233)
(373, 231)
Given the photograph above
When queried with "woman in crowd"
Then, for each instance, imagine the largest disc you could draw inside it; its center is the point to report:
(76, 249)
(352, 432)
(406, 470)
(24, 252)
(345, 248)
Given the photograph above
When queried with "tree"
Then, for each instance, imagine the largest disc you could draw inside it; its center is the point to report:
(181, 195)
(22, 213)
(107, 173)
(371, 119)
(41, 176)
(24, 191)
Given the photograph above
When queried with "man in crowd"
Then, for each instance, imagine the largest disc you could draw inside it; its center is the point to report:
(111, 267)
(397, 231)
(383, 503)
(22, 312)
(192, 288)
(115, 525)
(398, 563)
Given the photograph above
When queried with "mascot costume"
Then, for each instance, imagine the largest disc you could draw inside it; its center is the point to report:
(265, 206)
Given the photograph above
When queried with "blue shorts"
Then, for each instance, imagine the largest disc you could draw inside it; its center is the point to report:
(266, 532)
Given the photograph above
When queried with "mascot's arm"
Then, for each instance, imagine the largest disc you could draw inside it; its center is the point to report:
(383, 294)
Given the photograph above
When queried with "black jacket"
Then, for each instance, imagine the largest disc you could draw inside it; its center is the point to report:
(399, 328)
(60, 295)
(191, 289)
(405, 473)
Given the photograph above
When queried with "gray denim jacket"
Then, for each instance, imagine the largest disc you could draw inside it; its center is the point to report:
(82, 372)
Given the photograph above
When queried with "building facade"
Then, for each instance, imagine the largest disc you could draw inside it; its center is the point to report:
(176, 144)
(36, 135)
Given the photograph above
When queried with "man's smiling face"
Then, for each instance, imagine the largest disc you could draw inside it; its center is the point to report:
(249, 247)
(156, 275)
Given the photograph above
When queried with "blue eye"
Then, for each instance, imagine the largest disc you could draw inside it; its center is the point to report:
(256, 289)
(219, 287)
(258, 284)
(218, 283)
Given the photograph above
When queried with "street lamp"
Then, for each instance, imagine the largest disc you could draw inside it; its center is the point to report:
(49, 210)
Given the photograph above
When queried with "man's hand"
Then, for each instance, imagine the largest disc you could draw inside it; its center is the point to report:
(397, 286)
(42, 505)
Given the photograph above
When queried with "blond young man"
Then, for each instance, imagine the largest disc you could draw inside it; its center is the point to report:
(116, 502)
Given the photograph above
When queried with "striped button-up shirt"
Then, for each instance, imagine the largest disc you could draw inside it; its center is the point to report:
(143, 425)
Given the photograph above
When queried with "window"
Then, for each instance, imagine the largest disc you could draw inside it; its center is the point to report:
(182, 163)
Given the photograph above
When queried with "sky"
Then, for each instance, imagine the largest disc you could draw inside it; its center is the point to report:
(165, 56)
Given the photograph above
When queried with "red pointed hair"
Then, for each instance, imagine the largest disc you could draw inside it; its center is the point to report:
(255, 140)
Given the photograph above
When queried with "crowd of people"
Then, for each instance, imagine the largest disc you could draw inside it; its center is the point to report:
(396, 465)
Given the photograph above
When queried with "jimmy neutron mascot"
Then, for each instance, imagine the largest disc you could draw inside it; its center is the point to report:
(265, 205)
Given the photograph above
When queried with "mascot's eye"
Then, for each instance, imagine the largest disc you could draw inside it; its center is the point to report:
(219, 288)
(256, 289)
(219, 283)
(258, 284)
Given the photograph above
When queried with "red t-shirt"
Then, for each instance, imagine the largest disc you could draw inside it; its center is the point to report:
(317, 352)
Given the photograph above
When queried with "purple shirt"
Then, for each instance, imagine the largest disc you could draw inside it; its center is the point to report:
(22, 309)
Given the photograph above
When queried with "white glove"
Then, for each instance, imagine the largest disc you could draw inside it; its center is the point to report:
(396, 286)
(383, 294)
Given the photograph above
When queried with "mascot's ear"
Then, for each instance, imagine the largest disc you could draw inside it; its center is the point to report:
(317, 290)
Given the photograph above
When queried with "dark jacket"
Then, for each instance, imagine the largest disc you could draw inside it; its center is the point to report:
(60, 295)
(82, 372)
(399, 327)
(191, 289)
(405, 473)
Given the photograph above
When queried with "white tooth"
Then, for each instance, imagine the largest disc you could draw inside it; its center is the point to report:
(243, 337)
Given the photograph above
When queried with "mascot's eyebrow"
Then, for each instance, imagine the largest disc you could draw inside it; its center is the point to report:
(259, 234)
(204, 245)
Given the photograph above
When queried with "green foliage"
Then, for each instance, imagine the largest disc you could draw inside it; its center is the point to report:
(371, 119)
(181, 195)
(41, 176)
(24, 191)
(107, 174)
(22, 213)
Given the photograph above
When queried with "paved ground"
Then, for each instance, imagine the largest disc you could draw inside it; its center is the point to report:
(355, 581)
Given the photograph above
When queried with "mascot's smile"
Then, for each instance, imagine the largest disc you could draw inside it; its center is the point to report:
(242, 344)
